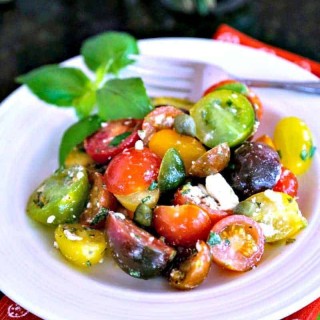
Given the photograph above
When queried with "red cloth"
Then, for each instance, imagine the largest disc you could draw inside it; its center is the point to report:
(229, 34)
(10, 310)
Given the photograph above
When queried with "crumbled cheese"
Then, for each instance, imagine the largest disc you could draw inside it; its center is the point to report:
(51, 219)
(71, 236)
(138, 145)
(142, 134)
(218, 188)
(80, 175)
(55, 245)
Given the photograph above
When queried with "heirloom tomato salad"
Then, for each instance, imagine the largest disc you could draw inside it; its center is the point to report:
(178, 189)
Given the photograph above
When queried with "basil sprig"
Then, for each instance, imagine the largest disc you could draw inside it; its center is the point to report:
(112, 99)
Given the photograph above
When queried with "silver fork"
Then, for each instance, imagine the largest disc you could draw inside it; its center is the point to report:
(179, 78)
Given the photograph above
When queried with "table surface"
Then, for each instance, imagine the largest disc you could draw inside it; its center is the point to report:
(34, 33)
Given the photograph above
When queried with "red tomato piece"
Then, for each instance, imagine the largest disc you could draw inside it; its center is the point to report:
(131, 171)
(287, 183)
(181, 225)
(112, 139)
(237, 243)
(99, 203)
(251, 96)
(158, 119)
(215, 214)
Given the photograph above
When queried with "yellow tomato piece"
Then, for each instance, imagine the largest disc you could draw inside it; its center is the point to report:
(294, 143)
(189, 148)
(80, 245)
(277, 213)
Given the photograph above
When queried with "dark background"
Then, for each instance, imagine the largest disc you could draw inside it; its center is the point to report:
(37, 32)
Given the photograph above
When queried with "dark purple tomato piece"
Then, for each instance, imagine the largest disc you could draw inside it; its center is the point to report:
(255, 168)
(135, 250)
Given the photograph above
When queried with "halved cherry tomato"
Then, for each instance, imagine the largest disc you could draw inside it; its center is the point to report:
(237, 243)
(194, 270)
(211, 162)
(237, 86)
(188, 147)
(158, 119)
(131, 171)
(79, 244)
(100, 202)
(287, 183)
(223, 116)
(112, 138)
(277, 213)
(182, 225)
(136, 251)
(193, 195)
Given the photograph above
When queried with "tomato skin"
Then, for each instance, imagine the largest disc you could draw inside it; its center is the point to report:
(98, 145)
(294, 142)
(239, 245)
(131, 171)
(287, 183)
(182, 225)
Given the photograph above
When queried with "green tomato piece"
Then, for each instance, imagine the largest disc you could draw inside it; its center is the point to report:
(172, 172)
(61, 197)
(277, 213)
(223, 116)
(80, 245)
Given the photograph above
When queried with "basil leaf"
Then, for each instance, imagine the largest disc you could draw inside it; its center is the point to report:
(110, 48)
(76, 134)
(123, 98)
(56, 85)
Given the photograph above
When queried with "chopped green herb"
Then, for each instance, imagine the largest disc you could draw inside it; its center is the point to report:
(119, 138)
(229, 103)
(214, 239)
(88, 263)
(146, 199)
(304, 155)
(279, 153)
(153, 186)
(101, 215)
(312, 151)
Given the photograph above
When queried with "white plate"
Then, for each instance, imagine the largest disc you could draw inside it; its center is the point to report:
(35, 276)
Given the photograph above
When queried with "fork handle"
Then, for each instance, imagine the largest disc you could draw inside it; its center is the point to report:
(302, 86)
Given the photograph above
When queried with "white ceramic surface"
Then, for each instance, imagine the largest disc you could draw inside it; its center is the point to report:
(34, 274)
